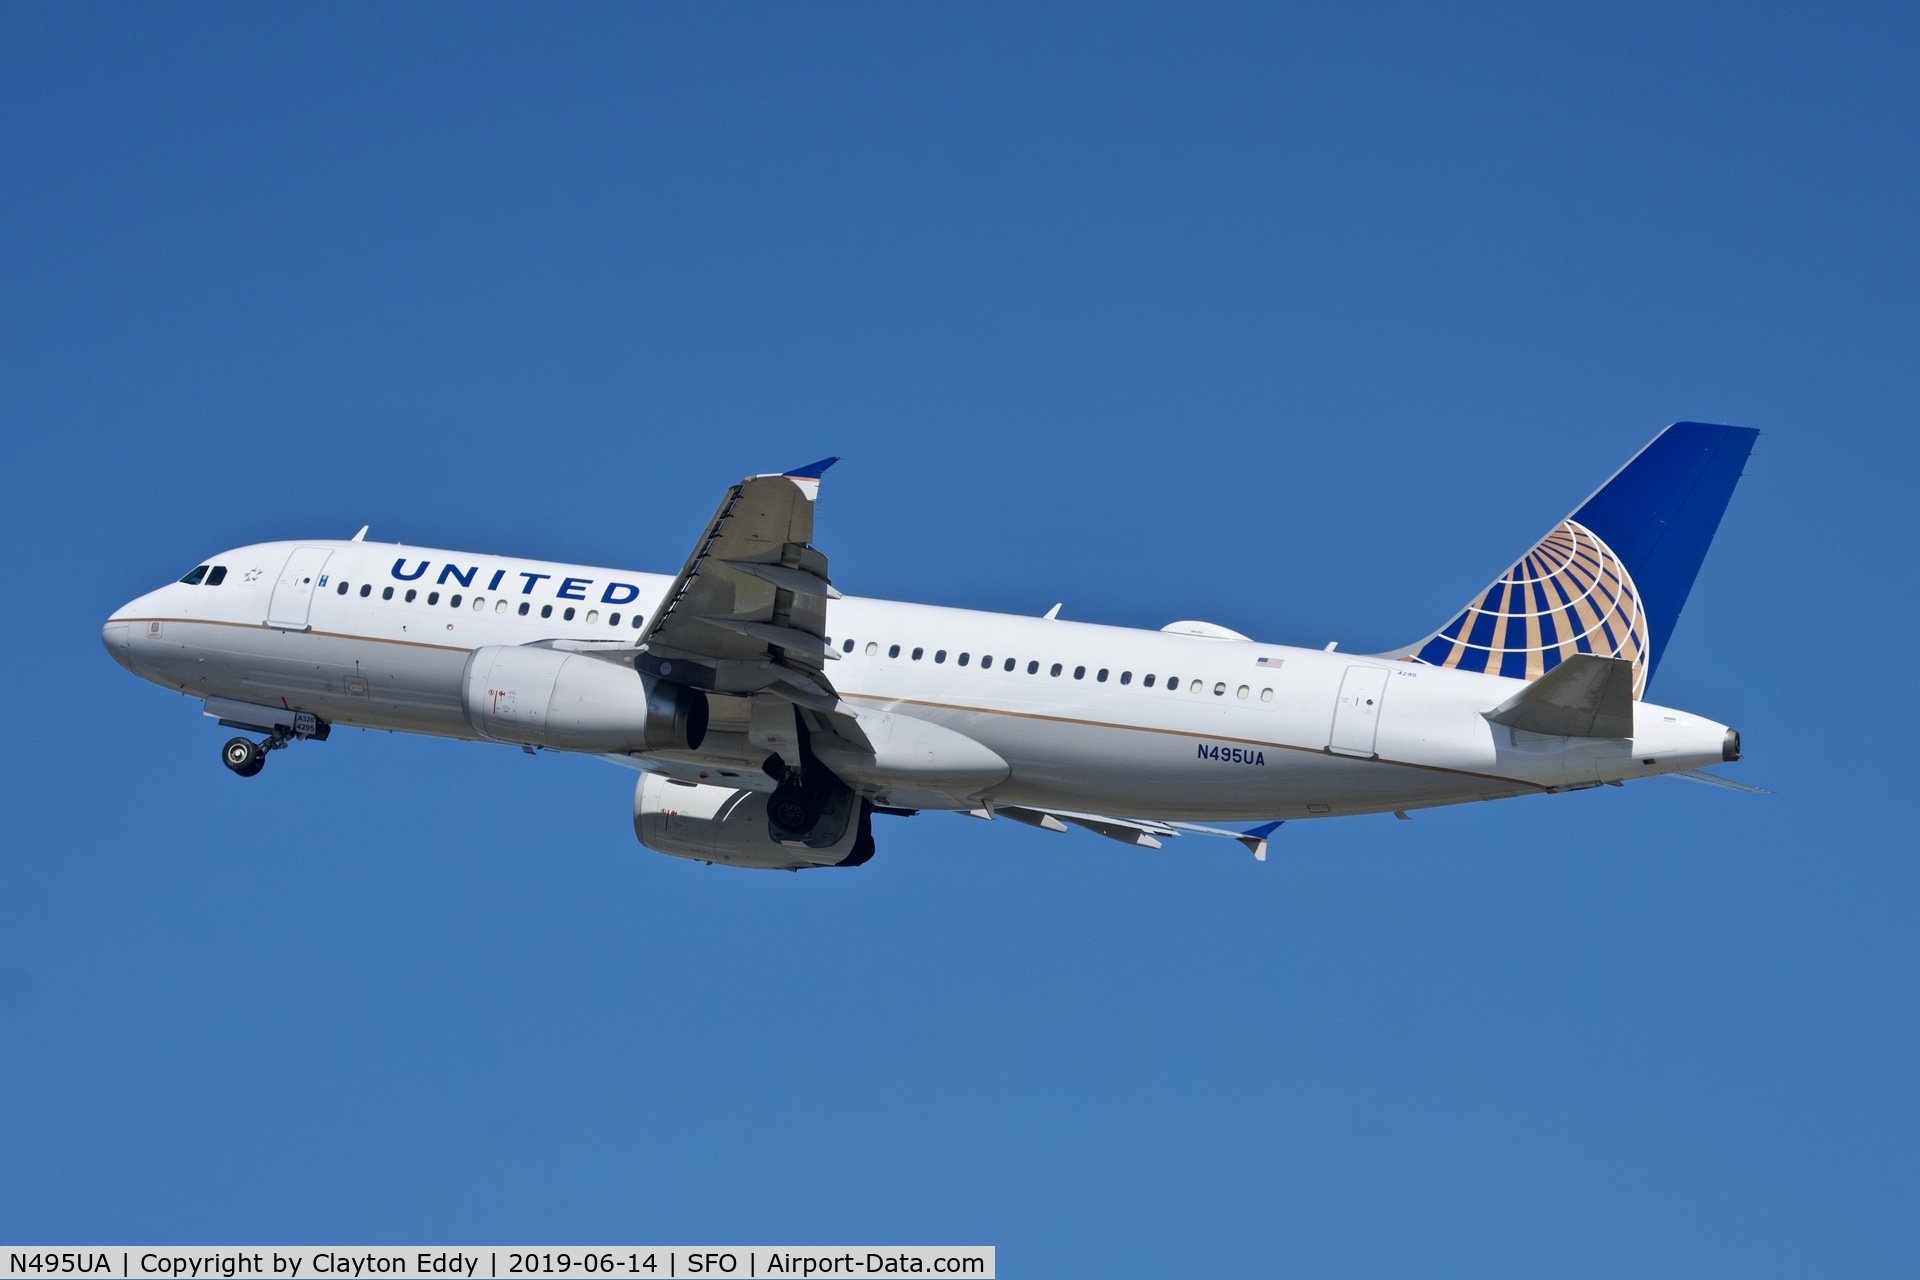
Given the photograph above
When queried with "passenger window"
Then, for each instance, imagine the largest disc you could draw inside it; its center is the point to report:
(1033, 668)
(454, 601)
(218, 576)
(386, 593)
(198, 576)
(638, 619)
(1266, 695)
(1196, 687)
(962, 659)
(872, 648)
(479, 603)
(593, 615)
(411, 593)
(433, 597)
(1079, 673)
(939, 655)
(613, 619)
(847, 647)
(1102, 676)
(1009, 665)
(893, 651)
(366, 589)
(500, 606)
(340, 590)
(1056, 668)
(917, 653)
(546, 611)
(524, 606)
(1241, 693)
(1219, 689)
(986, 661)
(1173, 684)
(568, 615)
(1146, 682)
(1126, 677)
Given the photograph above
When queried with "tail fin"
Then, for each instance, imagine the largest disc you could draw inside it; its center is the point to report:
(1609, 579)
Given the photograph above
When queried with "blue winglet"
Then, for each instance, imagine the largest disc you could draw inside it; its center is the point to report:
(1265, 829)
(812, 471)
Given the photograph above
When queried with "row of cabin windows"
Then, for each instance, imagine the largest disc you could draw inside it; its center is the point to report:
(479, 605)
(214, 575)
(1243, 692)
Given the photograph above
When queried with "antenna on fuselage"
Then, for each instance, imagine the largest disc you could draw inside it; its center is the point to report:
(1051, 614)
(362, 535)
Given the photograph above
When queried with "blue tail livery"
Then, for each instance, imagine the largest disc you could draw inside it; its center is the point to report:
(1611, 578)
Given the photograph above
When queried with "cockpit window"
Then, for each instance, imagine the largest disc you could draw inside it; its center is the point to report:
(218, 576)
(195, 578)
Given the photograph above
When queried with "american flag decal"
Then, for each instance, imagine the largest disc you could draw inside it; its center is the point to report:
(1269, 662)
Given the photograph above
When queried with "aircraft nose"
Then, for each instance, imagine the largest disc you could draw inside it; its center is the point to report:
(118, 637)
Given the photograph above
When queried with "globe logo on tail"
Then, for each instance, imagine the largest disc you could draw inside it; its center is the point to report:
(1570, 594)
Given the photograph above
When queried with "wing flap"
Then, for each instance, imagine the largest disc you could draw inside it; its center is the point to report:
(799, 581)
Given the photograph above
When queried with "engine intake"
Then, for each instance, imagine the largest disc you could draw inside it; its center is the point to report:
(539, 697)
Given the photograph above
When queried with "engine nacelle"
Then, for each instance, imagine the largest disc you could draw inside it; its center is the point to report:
(721, 824)
(572, 702)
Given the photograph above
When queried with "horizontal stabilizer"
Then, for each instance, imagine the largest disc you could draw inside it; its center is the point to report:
(1715, 780)
(1586, 696)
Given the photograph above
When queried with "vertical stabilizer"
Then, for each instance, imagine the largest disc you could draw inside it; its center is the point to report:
(1611, 578)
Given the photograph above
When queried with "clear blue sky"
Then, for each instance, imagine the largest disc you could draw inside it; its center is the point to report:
(1302, 322)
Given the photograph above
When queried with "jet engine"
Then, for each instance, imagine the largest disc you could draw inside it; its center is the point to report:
(573, 702)
(721, 824)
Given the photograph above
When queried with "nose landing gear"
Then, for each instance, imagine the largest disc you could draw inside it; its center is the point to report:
(246, 757)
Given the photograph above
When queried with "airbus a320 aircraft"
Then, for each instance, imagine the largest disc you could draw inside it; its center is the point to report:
(771, 717)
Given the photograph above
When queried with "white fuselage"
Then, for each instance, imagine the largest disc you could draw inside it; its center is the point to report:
(1094, 718)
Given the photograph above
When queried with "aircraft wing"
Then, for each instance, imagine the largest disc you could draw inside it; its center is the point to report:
(1145, 832)
(748, 611)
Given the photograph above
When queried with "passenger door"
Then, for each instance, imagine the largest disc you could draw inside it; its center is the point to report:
(1356, 716)
(293, 594)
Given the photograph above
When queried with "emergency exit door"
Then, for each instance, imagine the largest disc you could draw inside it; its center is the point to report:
(293, 594)
(1356, 716)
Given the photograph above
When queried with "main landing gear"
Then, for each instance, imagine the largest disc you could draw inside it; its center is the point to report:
(809, 806)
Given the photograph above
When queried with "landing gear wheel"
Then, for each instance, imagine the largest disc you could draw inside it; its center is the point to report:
(243, 757)
(794, 809)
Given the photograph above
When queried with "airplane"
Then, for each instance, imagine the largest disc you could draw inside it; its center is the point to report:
(771, 718)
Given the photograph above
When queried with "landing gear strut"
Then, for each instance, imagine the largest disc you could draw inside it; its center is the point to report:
(246, 757)
(809, 805)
